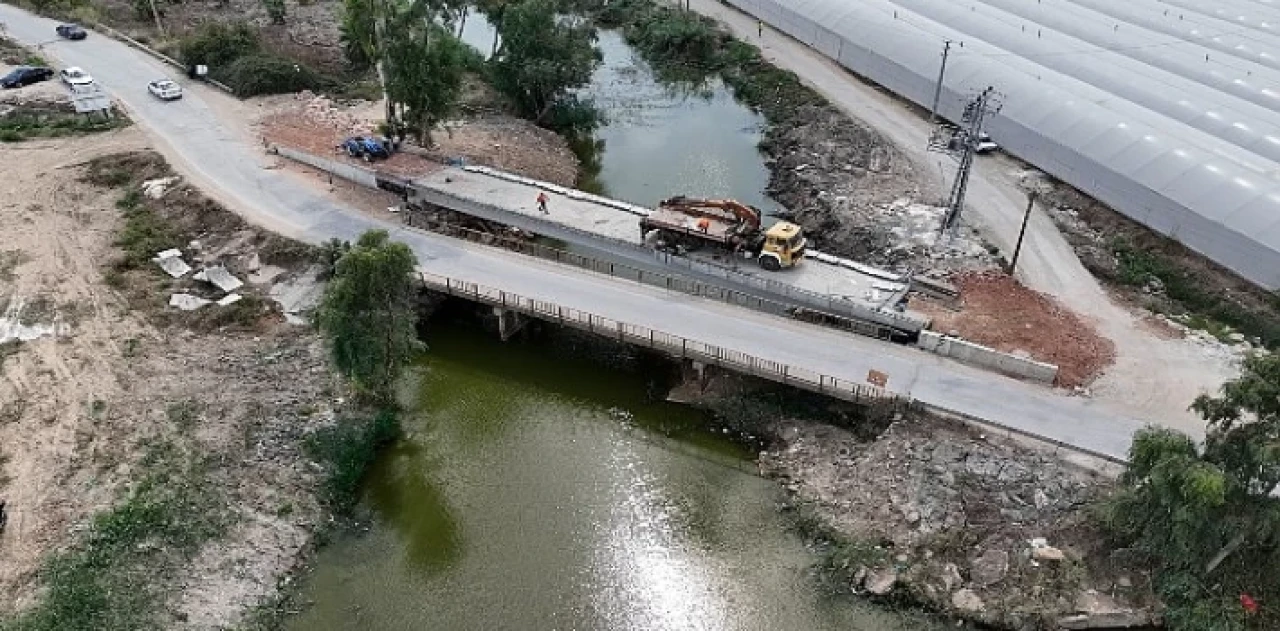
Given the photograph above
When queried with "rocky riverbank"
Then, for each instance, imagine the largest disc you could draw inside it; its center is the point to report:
(977, 526)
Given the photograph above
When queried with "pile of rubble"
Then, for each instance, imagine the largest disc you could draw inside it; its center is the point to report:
(980, 527)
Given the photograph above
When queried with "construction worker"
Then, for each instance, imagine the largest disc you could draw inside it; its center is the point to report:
(542, 202)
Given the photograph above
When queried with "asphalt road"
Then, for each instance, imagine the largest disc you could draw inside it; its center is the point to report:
(227, 164)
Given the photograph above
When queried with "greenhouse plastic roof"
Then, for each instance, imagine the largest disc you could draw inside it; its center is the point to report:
(1168, 111)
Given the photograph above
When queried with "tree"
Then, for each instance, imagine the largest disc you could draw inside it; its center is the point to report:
(424, 71)
(543, 56)
(367, 313)
(1207, 515)
(495, 10)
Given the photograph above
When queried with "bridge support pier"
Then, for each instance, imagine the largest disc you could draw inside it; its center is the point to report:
(509, 322)
(696, 372)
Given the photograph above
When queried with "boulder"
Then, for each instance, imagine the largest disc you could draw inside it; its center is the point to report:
(950, 577)
(1048, 553)
(966, 601)
(1095, 610)
(880, 582)
(989, 568)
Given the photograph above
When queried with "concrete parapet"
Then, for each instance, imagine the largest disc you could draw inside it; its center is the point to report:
(981, 356)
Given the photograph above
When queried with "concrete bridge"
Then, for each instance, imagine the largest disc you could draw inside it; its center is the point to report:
(221, 158)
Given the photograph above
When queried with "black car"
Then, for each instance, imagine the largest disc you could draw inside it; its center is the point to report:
(25, 75)
(71, 31)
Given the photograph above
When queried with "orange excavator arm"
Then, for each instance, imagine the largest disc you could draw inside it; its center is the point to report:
(745, 214)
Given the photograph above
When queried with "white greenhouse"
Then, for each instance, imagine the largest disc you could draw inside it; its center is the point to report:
(1168, 111)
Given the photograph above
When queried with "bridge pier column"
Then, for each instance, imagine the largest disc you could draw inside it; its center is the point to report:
(509, 322)
(697, 372)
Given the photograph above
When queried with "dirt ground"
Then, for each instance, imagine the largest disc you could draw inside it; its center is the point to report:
(946, 515)
(996, 310)
(84, 404)
(315, 124)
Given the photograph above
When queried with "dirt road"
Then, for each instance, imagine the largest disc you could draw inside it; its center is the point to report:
(1156, 375)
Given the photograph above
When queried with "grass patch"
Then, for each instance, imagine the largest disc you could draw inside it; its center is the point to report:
(346, 450)
(9, 261)
(1212, 309)
(144, 233)
(24, 124)
(112, 578)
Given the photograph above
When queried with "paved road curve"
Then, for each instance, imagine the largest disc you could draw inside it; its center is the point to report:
(231, 168)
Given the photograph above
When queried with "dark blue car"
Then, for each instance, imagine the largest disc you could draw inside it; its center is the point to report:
(71, 31)
(366, 147)
(25, 75)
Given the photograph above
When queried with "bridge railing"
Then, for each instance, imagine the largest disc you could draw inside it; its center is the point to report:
(669, 282)
(669, 343)
(835, 305)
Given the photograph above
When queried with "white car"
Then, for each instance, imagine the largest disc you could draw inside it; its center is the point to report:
(985, 144)
(75, 77)
(165, 89)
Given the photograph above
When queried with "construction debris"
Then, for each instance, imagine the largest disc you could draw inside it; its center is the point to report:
(229, 299)
(220, 277)
(171, 262)
(187, 302)
(155, 189)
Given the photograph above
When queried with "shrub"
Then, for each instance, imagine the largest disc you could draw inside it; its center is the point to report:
(217, 44)
(264, 74)
(346, 450)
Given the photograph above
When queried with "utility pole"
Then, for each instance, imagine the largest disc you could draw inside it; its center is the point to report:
(962, 144)
(1017, 249)
(937, 88)
(155, 13)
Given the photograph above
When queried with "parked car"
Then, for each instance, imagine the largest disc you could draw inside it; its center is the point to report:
(366, 147)
(165, 90)
(75, 77)
(25, 75)
(71, 31)
(985, 144)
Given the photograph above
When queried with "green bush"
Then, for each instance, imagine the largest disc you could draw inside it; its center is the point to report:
(143, 234)
(346, 450)
(217, 44)
(264, 74)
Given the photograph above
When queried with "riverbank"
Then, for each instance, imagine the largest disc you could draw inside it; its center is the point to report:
(854, 191)
(924, 511)
(154, 461)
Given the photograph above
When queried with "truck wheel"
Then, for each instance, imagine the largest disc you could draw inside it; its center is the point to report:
(770, 263)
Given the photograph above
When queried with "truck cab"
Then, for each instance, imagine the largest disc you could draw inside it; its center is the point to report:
(784, 246)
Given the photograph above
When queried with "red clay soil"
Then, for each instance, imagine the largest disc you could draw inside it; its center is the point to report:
(997, 311)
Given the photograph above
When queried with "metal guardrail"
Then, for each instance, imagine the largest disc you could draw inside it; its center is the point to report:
(114, 34)
(654, 279)
(671, 344)
(802, 297)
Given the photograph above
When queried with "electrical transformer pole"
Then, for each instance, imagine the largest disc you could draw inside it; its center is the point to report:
(962, 144)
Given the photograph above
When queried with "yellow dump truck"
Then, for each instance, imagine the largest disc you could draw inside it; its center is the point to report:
(683, 224)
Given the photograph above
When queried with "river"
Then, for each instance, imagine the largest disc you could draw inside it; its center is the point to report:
(662, 140)
(536, 489)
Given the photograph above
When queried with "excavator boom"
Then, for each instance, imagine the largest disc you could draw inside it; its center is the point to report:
(747, 216)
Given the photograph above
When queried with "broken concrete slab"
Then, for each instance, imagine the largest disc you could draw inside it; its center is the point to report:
(229, 299)
(266, 274)
(299, 295)
(187, 302)
(220, 277)
(172, 264)
(155, 189)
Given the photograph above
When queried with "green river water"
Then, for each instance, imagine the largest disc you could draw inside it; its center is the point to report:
(538, 490)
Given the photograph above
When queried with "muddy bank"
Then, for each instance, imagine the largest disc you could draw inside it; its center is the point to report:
(915, 509)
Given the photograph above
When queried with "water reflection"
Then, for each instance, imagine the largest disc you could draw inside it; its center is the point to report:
(572, 511)
(668, 131)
